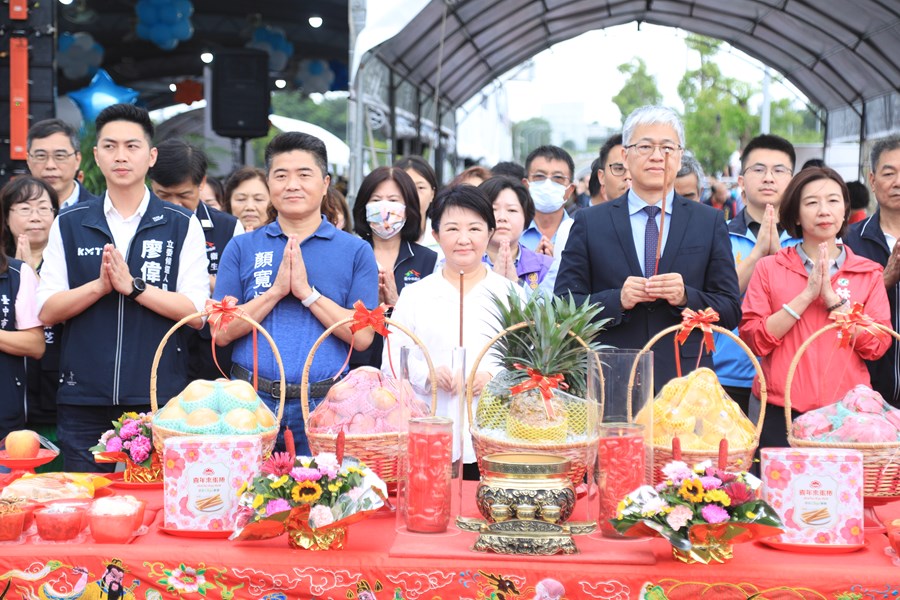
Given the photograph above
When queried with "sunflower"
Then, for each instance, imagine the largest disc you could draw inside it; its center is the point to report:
(306, 492)
(691, 490)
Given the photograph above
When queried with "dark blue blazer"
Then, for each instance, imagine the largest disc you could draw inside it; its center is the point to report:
(84, 195)
(600, 255)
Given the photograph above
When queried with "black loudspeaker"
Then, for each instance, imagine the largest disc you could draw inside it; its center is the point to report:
(240, 93)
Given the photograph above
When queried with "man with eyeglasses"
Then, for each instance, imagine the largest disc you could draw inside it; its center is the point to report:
(612, 174)
(611, 257)
(690, 178)
(767, 165)
(875, 238)
(549, 171)
(54, 157)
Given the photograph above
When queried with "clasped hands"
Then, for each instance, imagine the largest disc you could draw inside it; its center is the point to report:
(292, 277)
(819, 283)
(663, 286)
(446, 380)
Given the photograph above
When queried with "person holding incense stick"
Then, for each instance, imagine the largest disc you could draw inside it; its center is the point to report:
(452, 307)
(649, 254)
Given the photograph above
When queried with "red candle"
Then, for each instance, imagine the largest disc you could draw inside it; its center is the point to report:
(428, 476)
(621, 460)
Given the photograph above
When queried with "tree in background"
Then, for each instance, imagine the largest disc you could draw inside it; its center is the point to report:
(717, 117)
(639, 89)
(328, 112)
(528, 135)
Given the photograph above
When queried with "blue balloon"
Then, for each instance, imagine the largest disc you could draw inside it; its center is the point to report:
(101, 92)
(161, 35)
(65, 40)
(169, 15)
(183, 7)
(316, 67)
(144, 31)
(183, 30)
(146, 12)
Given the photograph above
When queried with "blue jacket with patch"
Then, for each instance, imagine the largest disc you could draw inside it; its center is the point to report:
(12, 368)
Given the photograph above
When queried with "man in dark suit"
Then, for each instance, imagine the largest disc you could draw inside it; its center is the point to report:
(611, 253)
(54, 156)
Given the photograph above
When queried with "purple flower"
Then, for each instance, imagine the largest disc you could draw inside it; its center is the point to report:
(114, 444)
(306, 474)
(140, 449)
(714, 514)
(130, 429)
(711, 483)
(276, 506)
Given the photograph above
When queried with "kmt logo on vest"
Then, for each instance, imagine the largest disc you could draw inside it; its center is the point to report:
(411, 276)
(97, 251)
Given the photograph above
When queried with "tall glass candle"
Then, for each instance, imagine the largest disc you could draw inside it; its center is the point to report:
(428, 476)
(620, 457)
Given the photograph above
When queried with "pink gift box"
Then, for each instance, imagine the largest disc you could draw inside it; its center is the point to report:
(201, 479)
(817, 492)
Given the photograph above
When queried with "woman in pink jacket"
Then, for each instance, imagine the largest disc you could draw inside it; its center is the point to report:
(792, 294)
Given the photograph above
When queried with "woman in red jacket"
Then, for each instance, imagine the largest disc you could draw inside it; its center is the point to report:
(792, 294)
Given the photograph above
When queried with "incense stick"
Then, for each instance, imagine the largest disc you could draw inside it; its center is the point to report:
(461, 279)
(662, 215)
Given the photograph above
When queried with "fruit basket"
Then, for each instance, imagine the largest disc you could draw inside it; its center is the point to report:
(733, 457)
(379, 451)
(161, 433)
(881, 460)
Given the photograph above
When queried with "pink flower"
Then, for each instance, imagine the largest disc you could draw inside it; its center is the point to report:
(711, 483)
(173, 464)
(327, 463)
(738, 492)
(140, 449)
(852, 532)
(114, 444)
(777, 475)
(130, 429)
(305, 474)
(677, 471)
(280, 463)
(355, 493)
(679, 517)
(822, 537)
(720, 474)
(276, 506)
(320, 516)
(714, 514)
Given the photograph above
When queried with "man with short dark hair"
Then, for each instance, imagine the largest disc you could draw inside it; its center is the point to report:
(875, 238)
(549, 172)
(613, 175)
(689, 179)
(120, 271)
(296, 276)
(508, 168)
(177, 176)
(54, 156)
(611, 257)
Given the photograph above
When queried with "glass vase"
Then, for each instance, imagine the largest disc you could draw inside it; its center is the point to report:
(428, 475)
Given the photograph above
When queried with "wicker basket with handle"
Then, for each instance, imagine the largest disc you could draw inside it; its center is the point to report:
(579, 452)
(881, 460)
(725, 457)
(161, 434)
(379, 451)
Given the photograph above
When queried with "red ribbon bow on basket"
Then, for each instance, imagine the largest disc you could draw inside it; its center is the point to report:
(855, 318)
(545, 383)
(221, 314)
(362, 318)
(690, 320)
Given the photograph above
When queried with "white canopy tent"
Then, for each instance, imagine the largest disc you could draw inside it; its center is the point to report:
(338, 151)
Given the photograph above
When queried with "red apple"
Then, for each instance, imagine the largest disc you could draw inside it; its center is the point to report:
(22, 444)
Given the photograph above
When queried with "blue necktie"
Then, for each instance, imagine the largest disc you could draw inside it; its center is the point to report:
(651, 239)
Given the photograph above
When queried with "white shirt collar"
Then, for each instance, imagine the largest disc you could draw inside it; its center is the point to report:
(636, 203)
(73, 197)
(109, 209)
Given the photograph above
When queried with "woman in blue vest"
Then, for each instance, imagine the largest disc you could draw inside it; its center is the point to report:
(386, 214)
(21, 334)
(513, 210)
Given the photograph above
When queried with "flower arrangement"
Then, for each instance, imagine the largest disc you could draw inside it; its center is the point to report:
(700, 511)
(131, 434)
(314, 498)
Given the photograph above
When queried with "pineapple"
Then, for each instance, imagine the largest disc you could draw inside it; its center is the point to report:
(546, 346)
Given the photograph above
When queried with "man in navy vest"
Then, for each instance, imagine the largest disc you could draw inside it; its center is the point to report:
(120, 271)
(177, 176)
(54, 156)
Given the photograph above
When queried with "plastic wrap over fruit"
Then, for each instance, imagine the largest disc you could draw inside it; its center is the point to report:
(862, 416)
(696, 409)
(216, 407)
(364, 402)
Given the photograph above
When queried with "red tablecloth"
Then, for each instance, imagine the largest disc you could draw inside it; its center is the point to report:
(380, 564)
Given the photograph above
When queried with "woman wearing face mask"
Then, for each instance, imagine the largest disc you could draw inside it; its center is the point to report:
(513, 208)
(426, 187)
(386, 214)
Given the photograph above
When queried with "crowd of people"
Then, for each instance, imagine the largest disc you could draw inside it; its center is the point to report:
(90, 284)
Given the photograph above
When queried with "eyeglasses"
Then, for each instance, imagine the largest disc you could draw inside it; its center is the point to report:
(539, 177)
(26, 210)
(760, 170)
(647, 149)
(59, 156)
(617, 169)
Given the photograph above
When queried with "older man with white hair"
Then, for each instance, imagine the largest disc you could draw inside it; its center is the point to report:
(611, 255)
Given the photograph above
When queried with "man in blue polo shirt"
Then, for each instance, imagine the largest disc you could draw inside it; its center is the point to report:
(296, 276)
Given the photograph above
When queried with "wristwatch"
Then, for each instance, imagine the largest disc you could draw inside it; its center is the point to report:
(138, 286)
(309, 300)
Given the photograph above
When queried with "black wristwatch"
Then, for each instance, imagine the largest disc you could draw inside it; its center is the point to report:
(138, 286)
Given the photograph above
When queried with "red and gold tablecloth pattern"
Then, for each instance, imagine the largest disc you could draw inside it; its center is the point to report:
(379, 565)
